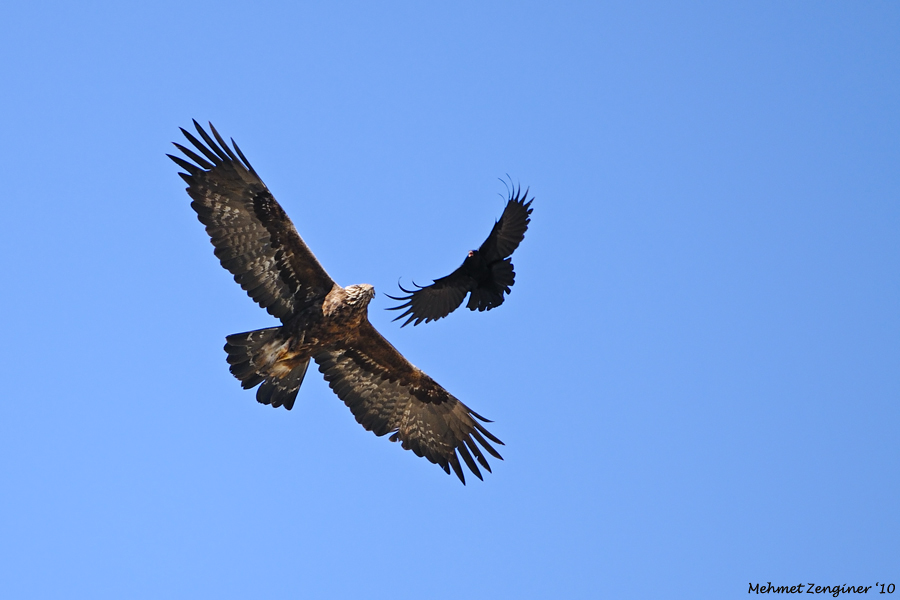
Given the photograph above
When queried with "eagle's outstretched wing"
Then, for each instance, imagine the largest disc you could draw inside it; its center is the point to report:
(387, 394)
(253, 237)
(486, 273)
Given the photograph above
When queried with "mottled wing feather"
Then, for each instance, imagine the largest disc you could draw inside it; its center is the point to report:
(510, 230)
(434, 301)
(253, 237)
(387, 394)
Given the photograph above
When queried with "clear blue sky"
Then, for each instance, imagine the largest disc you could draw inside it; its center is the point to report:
(697, 373)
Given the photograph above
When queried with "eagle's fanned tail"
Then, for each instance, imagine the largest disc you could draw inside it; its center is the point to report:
(252, 357)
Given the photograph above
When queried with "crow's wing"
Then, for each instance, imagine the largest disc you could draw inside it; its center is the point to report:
(509, 231)
(434, 301)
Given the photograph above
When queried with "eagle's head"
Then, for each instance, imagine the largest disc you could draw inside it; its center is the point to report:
(359, 295)
(349, 303)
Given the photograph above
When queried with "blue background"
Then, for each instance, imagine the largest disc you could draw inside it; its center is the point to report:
(696, 375)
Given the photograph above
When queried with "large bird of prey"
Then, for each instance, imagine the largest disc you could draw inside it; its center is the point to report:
(255, 240)
(486, 274)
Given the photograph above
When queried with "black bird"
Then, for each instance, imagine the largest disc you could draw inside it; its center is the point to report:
(487, 273)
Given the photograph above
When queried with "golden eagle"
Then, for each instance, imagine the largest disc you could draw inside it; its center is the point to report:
(486, 274)
(255, 240)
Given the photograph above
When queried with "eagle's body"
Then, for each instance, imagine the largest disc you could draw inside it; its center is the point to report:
(328, 323)
(320, 320)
